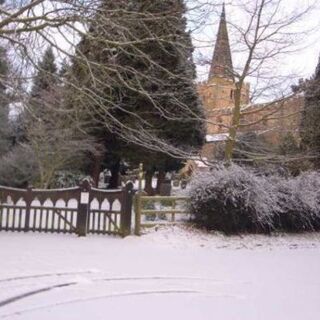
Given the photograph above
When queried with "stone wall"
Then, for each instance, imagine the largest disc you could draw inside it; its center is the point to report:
(273, 120)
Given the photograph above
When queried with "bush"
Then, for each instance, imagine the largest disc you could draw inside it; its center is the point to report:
(19, 167)
(235, 200)
(299, 199)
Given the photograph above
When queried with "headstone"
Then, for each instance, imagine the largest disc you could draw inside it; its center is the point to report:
(165, 188)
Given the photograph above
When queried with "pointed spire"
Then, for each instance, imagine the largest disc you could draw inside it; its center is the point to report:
(317, 74)
(223, 13)
(221, 65)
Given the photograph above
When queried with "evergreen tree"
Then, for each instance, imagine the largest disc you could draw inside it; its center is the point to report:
(4, 104)
(43, 96)
(44, 88)
(51, 134)
(310, 128)
(46, 76)
(144, 75)
(288, 145)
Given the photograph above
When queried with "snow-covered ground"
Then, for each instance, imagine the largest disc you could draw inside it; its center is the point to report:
(173, 273)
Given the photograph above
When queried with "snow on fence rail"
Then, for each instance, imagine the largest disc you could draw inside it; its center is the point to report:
(79, 210)
(169, 205)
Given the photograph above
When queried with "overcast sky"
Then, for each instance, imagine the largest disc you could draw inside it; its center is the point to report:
(301, 63)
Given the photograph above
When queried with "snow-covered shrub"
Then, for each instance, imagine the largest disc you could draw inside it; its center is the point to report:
(236, 199)
(233, 200)
(299, 199)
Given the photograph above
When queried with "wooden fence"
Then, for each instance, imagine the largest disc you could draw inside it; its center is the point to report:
(79, 210)
(82, 210)
(173, 206)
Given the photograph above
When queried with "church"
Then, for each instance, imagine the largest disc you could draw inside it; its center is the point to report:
(272, 121)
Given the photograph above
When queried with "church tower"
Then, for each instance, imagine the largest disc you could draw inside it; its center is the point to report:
(217, 92)
(221, 65)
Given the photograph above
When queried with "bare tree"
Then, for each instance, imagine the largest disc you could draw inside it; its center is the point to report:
(28, 26)
(55, 141)
(268, 32)
(264, 34)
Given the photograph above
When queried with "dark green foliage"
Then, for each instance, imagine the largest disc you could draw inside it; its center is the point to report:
(43, 99)
(294, 160)
(250, 149)
(144, 77)
(44, 91)
(310, 128)
(5, 142)
(45, 78)
(288, 145)
(50, 130)
(4, 69)
(39, 121)
(254, 151)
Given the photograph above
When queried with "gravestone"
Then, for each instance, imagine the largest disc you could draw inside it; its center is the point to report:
(165, 188)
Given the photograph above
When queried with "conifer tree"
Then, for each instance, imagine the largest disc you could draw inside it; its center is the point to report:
(44, 83)
(143, 72)
(51, 133)
(46, 73)
(4, 104)
(310, 128)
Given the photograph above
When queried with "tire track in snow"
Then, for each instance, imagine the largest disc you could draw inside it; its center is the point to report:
(170, 278)
(124, 278)
(154, 278)
(111, 279)
(34, 292)
(114, 295)
(44, 275)
(129, 279)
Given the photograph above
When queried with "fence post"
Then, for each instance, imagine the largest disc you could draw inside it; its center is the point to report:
(126, 209)
(83, 208)
(137, 204)
(137, 212)
(28, 208)
(173, 217)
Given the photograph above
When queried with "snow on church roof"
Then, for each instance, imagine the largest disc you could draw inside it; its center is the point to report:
(217, 137)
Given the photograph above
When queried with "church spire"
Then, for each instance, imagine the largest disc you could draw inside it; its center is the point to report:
(317, 74)
(221, 65)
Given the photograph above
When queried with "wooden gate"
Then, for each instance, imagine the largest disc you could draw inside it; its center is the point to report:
(110, 211)
(173, 206)
(79, 210)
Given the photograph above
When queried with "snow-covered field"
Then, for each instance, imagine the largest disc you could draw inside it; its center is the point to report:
(173, 273)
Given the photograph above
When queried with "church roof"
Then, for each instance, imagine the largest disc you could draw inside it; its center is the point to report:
(221, 65)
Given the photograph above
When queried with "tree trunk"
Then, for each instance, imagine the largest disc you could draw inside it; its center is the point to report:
(236, 113)
(96, 170)
(148, 185)
(160, 180)
(115, 175)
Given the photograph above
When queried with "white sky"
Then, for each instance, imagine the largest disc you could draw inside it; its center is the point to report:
(301, 63)
(206, 18)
